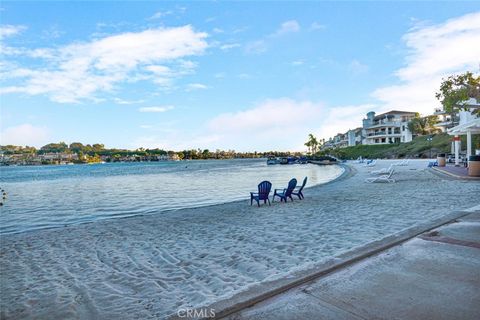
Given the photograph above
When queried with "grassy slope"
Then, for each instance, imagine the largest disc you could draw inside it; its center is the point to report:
(419, 147)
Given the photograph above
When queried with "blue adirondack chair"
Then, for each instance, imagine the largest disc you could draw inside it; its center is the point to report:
(263, 192)
(298, 190)
(283, 194)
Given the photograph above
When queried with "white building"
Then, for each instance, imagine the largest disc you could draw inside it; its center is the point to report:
(385, 128)
(445, 120)
(468, 124)
(354, 137)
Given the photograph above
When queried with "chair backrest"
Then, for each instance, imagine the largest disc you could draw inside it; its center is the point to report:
(390, 174)
(291, 185)
(303, 184)
(264, 189)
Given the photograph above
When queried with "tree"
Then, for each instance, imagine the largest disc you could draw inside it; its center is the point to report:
(54, 147)
(423, 125)
(97, 147)
(76, 147)
(312, 143)
(456, 90)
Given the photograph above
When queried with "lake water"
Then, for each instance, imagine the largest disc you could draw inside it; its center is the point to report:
(52, 196)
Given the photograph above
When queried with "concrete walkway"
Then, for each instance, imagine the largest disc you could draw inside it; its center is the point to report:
(433, 276)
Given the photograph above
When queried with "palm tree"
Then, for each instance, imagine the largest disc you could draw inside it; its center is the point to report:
(312, 143)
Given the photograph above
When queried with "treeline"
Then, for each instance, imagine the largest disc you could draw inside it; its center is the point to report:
(98, 149)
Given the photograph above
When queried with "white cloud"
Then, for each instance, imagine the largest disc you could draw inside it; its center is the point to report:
(434, 52)
(272, 124)
(288, 27)
(297, 63)
(122, 101)
(261, 45)
(82, 70)
(25, 134)
(257, 46)
(317, 26)
(196, 86)
(342, 118)
(244, 76)
(229, 46)
(10, 30)
(160, 14)
(356, 67)
(156, 109)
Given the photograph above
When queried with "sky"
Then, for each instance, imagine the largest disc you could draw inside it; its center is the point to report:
(245, 76)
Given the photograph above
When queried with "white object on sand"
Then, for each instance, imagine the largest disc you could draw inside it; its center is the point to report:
(384, 178)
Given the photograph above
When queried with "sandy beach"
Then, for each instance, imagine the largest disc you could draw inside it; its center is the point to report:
(147, 267)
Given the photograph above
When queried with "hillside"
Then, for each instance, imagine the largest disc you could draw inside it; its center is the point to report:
(418, 148)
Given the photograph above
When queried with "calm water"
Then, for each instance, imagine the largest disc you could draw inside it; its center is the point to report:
(52, 196)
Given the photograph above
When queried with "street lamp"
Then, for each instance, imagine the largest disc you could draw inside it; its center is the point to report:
(429, 139)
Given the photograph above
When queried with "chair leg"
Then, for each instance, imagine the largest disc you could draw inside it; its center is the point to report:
(258, 203)
(268, 201)
(251, 201)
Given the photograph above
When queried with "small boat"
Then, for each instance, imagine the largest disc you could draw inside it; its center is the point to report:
(283, 160)
(292, 160)
(272, 160)
(303, 160)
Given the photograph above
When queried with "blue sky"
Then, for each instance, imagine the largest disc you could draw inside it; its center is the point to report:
(227, 75)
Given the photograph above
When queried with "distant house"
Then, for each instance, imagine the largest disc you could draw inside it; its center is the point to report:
(340, 140)
(354, 137)
(385, 128)
(445, 120)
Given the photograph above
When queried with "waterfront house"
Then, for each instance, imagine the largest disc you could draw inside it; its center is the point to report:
(389, 127)
(354, 136)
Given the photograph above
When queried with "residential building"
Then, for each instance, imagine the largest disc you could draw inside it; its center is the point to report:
(385, 128)
(445, 120)
(340, 140)
(354, 136)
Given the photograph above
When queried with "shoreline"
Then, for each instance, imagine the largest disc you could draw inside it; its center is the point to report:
(152, 265)
(341, 176)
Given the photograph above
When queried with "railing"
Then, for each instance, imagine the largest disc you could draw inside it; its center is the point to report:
(385, 123)
(383, 134)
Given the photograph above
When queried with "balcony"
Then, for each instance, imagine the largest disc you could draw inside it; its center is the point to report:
(444, 124)
(384, 124)
(439, 111)
(384, 133)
